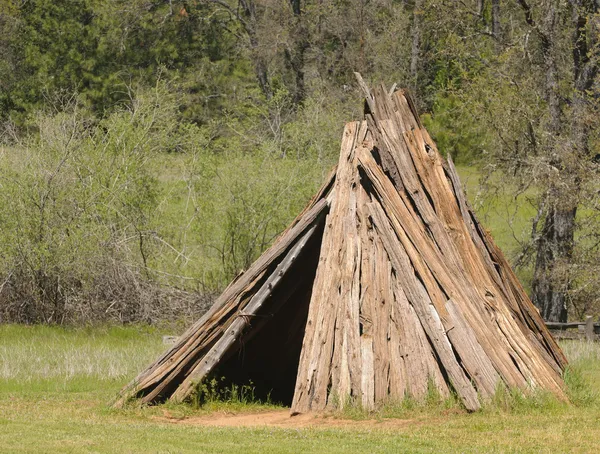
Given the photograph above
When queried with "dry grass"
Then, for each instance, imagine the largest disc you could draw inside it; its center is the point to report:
(581, 352)
(60, 358)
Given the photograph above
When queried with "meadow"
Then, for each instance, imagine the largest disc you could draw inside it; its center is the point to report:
(56, 385)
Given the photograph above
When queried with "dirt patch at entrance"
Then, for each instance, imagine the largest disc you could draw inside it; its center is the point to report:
(282, 419)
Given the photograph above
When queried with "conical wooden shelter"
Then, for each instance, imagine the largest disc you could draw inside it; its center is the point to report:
(384, 286)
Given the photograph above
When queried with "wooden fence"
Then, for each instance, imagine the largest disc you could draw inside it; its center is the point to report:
(576, 330)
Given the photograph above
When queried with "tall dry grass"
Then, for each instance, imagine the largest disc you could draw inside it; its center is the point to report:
(57, 358)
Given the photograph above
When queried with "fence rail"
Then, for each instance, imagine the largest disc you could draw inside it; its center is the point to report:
(587, 329)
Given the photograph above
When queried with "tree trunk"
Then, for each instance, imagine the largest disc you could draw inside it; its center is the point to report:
(555, 248)
(551, 70)
(555, 242)
(248, 9)
(481, 9)
(496, 18)
(245, 13)
(585, 69)
(295, 56)
(416, 42)
(260, 67)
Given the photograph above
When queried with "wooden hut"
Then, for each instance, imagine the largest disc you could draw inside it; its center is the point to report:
(384, 286)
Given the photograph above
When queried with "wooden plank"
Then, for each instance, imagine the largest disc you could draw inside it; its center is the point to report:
(425, 310)
(419, 359)
(314, 368)
(570, 325)
(365, 89)
(398, 371)
(422, 175)
(382, 310)
(476, 360)
(567, 325)
(368, 383)
(589, 328)
(505, 280)
(430, 265)
(350, 296)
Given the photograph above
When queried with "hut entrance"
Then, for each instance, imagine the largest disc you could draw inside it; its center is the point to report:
(266, 359)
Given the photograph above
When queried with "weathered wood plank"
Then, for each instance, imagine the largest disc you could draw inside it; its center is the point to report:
(368, 373)
(326, 305)
(430, 264)
(425, 310)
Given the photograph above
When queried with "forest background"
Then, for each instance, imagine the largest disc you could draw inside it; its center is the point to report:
(150, 150)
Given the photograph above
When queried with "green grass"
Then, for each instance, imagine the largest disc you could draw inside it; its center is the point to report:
(55, 386)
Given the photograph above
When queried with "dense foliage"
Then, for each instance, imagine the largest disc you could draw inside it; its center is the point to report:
(154, 145)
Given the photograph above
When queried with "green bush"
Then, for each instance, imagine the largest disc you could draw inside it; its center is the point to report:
(76, 204)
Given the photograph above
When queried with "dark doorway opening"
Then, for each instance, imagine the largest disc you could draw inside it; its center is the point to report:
(267, 357)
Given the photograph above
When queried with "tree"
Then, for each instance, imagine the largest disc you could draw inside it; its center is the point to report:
(569, 152)
(295, 54)
(9, 21)
(416, 41)
(529, 93)
(97, 48)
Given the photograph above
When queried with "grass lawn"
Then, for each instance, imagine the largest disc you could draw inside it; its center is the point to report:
(56, 385)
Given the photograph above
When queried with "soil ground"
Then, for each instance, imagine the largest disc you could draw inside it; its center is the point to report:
(282, 419)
